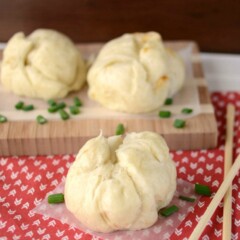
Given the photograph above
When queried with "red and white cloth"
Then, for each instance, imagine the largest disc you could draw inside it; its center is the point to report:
(25, 181)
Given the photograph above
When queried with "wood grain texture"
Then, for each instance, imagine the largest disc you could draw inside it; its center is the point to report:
(18, 137)
(67, 137)
(213, 24)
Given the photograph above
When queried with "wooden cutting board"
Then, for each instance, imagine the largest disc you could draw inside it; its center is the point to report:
(21, 135)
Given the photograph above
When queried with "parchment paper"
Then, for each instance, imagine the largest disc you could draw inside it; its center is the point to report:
(186, 97)
(164, 227)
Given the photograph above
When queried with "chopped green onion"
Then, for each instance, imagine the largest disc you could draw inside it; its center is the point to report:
(19, 105)
(27, 108)
(169, 211)
(188, 199)
(55, 108)
(3, 119)
(187, 110)
(64, 115)
(179, 123)
(164, 114)
(56, 198)
(74, 110)
(41, 120)
(61, 105)
(51, 102)
(168, 101)
(120, 129)
(202, 189)
(77, 102)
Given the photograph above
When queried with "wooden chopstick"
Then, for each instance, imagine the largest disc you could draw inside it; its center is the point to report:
(227, 206)
(216, 200)
(227, 216)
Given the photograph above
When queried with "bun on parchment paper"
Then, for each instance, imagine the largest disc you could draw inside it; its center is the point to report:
(135, 73)
(46, 64)
(118, 184)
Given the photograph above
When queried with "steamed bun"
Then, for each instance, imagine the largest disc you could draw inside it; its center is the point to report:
(135, 73)
(117, 184)
(46, 64)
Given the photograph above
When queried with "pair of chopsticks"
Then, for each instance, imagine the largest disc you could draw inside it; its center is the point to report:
(230, 171)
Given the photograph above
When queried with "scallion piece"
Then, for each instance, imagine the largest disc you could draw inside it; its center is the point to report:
(168, 101)
(27, 108)
(77, 102)
(64, 115)
(41, 120)
(3, 119)
(164, 114)
(56, 107)
(56, 198)
(188, 199)
(169, 210)
(202, 189)
(61, 105)
(179, 123)
(74, 110)
(187, 110)
(120, 129)
(19, 105)
(51, 102)
(53, 109)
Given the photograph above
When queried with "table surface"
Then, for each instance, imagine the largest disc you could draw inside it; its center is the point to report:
(26, 180)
